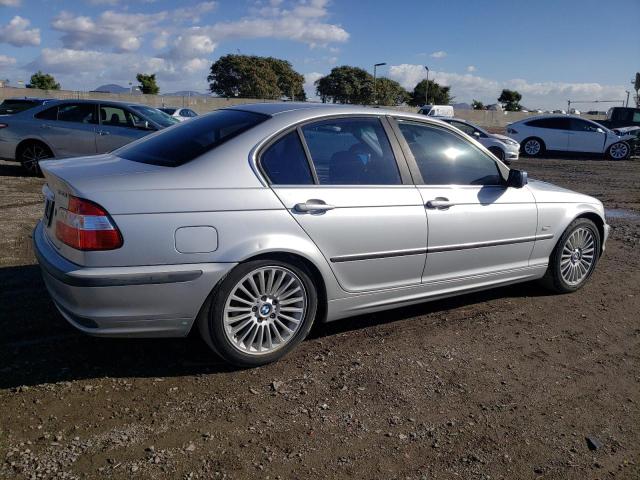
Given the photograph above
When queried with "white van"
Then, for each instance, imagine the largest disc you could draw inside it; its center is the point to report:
(437, 110)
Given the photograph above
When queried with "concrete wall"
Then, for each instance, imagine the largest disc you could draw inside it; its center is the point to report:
(489, 119)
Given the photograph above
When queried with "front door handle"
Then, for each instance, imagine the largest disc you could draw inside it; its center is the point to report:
(44, 125)
(441, 203)
(313, 205)
(103, 132)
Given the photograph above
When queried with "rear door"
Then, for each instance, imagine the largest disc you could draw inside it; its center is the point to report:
(118, 126)
(69, 128)
(341, 181)
(585, 137)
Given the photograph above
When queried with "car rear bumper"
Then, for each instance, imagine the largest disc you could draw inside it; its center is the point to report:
(139, 301)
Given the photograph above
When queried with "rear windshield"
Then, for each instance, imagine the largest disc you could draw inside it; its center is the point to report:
(16, 106)
(191, 139)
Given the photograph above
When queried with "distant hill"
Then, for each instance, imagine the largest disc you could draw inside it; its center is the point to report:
(185, 93)
(112, 88)
(461, 106)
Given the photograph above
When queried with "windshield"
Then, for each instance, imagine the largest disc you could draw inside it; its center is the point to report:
(189, 140)
(17, 106)
(156, 115)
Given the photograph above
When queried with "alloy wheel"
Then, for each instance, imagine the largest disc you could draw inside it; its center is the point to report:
(532, 147)
(264, 310)
(618, 151)
(31, 155)
(578, 256)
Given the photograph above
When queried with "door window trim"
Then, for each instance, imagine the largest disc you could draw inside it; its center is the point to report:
(413, 164)
(401, 162)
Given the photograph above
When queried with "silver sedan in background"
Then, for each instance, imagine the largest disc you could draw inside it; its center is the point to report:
(503, 147)
(71, 128)
(254, 221)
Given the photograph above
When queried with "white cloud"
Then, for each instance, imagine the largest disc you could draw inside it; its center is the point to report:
(438, 54)
(10, 3)
(309, 83)
(471, 68)
(6, 61)
(18, 33)
(465, 87)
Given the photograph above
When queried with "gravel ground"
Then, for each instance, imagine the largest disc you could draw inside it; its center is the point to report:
(511, 383)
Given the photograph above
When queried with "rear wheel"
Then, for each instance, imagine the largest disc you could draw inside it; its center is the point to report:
(260, 312)
(30, 153)
(618, 151)
(574, 257)
(533, 147)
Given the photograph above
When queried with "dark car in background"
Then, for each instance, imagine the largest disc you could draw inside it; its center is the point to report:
(72, 128)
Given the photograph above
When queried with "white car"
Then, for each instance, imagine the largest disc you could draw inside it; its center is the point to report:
(437, 110)
(503, 147)
(566, 133)
(181, 114)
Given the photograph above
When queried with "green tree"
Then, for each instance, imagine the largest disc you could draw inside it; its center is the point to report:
(250, 76)
(477, 105)
(43, 81)
(511, 100)
(346, 84)
(438, 94)
(390, 92)
(148, 83)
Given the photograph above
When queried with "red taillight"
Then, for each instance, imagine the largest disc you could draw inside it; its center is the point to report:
(84, 225)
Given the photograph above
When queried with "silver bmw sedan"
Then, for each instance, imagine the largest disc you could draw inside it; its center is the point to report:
(253, 222)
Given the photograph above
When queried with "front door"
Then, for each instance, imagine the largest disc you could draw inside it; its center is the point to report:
(477, 225)
(356, 202)
(586, 137)
(117, 128)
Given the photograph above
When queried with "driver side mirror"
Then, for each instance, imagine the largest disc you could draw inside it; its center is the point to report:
(143, 125)
(517, 178)
(476, 134)
(599, 130)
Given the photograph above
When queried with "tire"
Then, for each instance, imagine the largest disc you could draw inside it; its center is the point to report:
(567, 271)
(249, 324)
(619, 151)
(533, 147)
(30, 153)
(498, 152)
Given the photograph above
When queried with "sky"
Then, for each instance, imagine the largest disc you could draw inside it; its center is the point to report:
(548, 50)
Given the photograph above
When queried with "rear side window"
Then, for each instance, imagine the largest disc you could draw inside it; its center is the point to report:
(351, 151)
(552, 123)
(189, 140)
(77, 113)
(48, 114)
(9, 106)
(285, 162)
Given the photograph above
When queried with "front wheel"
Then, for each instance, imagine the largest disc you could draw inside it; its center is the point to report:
(260, 312)
(574, 258)
(618, 151)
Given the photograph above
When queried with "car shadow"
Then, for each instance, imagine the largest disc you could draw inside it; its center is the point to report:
(11, 169)
(37, 345)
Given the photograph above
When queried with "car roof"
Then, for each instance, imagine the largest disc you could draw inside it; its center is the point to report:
(277, 108)
(102, 102)
(556, 115)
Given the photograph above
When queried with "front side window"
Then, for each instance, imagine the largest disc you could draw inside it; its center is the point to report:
(444, 158)
(285, 162)
(154, 114)
(77, 113)
(189, 140)
(117, 117)
(582, 126)
(351, 151)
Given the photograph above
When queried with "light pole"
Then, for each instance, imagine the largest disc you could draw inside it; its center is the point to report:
(627, 102)
(376, 65)
(426, 90)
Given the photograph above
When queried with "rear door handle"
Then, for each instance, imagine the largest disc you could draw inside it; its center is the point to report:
(44, 125)
(313, 205)
(440, 203)
(103, 132)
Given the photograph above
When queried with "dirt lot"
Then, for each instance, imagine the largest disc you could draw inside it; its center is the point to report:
(507, 383)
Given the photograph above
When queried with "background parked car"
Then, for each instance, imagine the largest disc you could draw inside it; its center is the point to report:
(69, 128)
(622, 117)
(564, 133)
(16, 105)
(503, 147)
(181, 114)
(437, 110)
